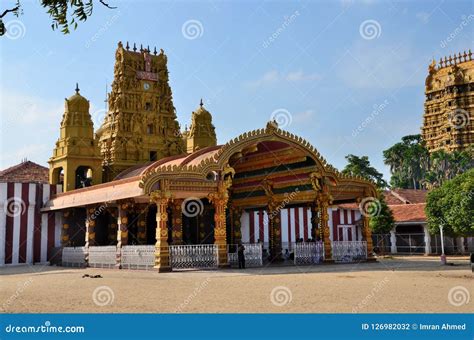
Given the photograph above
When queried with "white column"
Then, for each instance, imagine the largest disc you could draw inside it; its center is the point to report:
(427, 240)
(460, 244)
(393, 241)
(31, 222)
(3, 222)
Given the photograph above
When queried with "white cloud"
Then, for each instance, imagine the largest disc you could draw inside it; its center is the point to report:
(272, 77)
(304, 116)
(300, 76)
(424, 17)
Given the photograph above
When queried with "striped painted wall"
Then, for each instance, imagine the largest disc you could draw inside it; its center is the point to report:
(26, 235)
(296, 223)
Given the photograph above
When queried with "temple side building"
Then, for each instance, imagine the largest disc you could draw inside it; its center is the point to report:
(448, 120)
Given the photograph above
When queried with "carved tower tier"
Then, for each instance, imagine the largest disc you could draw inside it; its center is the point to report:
(141, 124)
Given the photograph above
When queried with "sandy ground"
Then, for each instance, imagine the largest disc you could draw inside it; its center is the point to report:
(401, 284)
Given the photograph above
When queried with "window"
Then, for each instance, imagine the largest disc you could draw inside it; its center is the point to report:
(148, 106)
(150, 129)
(153, 156)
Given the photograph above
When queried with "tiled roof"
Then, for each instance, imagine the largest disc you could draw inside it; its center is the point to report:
(405, 196)
(25, 172)
(409, 212)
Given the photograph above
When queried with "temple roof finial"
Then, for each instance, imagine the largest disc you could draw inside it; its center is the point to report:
(201, 104)
(77, 88)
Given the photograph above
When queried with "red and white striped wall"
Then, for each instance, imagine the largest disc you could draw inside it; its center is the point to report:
(296, 224)
(27, 235)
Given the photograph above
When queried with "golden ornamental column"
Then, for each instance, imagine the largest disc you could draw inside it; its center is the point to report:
(274, 228)
(122, 232)
(65, 242)
(141, 226)
(324, 229)
(236, 236)
(219, 199)
(162, 257)
(367, 234)
(177, 222)
(90, 231)
(315, 222)
(112, 227)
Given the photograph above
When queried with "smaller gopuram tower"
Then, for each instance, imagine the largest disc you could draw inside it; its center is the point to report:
(201, 133)
(76, 160)
(448, 121)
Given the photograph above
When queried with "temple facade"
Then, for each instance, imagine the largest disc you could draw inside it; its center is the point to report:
(168, 199)
(448, 120)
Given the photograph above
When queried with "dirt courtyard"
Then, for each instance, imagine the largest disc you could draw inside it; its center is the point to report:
(400, 284)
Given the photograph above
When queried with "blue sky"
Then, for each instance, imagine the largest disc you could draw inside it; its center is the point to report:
(346, 75)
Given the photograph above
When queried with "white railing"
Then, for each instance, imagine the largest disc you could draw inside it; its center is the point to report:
(349, 251)
(309, 252)
(253, 254)
(138, 257)
(102, 256)
(194, 256)
(74, 257)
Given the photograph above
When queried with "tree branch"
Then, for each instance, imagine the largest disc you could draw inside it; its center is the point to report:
(5, 12)
(106, 4)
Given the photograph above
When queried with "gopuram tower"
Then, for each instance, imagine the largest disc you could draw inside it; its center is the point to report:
(141, 124)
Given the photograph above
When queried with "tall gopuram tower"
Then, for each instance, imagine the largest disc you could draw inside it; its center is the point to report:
(76, 160)
(141, 123)
(448, 121)
(201, 133)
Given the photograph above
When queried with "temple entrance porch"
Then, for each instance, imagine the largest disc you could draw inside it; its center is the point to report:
(267, 189)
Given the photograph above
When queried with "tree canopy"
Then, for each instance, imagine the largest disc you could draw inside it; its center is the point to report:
(412, 166)
(64, 13)
(382, 222)
(360, 166)
(452, 205)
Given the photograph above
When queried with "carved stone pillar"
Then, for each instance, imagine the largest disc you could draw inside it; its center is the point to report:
(112, 226)
(65, 242)
(219, 200)
(122, 232)
(90, 227)
(324, 229)
(236, 236)
(274, 228)
(141, 226)
(315, 223)
(162, 257)
(367, 233)
(177, 222)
